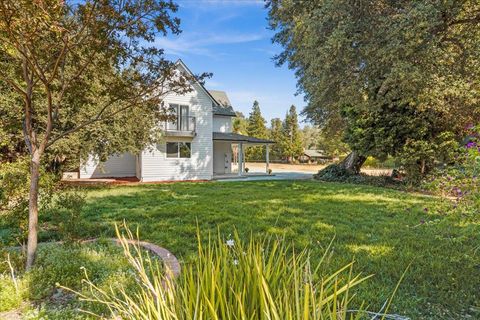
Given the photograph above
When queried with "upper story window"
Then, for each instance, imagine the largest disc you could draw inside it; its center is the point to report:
(183, 120)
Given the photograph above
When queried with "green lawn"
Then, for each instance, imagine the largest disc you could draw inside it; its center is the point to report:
(383, 230)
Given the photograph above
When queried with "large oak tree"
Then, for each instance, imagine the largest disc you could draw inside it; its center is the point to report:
(422, 57)
(84, 75)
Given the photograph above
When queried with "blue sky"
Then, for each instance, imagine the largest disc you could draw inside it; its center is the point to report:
(231, 39)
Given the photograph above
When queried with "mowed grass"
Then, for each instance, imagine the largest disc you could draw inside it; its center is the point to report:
(382, 230)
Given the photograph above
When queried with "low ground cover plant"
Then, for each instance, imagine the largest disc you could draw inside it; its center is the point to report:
(335, 173)
(36, 293)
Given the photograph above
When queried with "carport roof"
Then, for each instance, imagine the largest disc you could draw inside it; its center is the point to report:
(235, 137)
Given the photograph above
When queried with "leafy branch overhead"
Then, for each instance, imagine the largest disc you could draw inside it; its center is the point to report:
(77, 63)
(75, 70)
(403, 63)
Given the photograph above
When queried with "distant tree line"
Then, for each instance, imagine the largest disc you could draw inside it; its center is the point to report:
(289, 138)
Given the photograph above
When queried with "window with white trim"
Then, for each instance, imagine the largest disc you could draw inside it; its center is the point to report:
(179, 149)
(182, 120)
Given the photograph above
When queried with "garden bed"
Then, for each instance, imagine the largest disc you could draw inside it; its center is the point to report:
(38, 294)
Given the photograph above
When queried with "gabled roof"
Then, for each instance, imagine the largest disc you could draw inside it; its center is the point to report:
(235, 137)
(222, 106)
(180, 62)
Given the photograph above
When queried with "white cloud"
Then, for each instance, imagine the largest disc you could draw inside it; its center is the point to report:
(267, 51)
(209, 83)
(199, 43)
(200, 3)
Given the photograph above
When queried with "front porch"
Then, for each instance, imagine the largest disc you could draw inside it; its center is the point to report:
(229, 155)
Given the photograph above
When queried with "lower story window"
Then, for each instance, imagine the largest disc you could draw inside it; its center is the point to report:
(179, 149)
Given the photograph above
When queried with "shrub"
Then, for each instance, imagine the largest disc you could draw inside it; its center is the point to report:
(12, 289)
(11, 293)
(336, 173)
(61, 264)
(460, 180)
(14, 190)
(333, 173)
(420, 157)
(45, 313)
(66, 215)
(64, 264)
(233, 280)
(372, 162)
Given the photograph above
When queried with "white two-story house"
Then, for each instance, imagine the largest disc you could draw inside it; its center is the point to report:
(200, 145)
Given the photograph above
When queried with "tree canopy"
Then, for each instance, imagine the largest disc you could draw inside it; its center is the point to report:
(256, 127)
(291, 143)
(276, 134)
(239, 123)
(383, 56)
(75, 70)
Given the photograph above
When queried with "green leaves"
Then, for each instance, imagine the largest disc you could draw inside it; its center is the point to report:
(406, 70)
(75, 71)
(256, 128)
(234, 279)
(291, 143)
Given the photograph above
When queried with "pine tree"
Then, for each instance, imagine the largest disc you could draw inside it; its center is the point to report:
(240, 123)
(292, 137)
(276, 134)
(256, 128)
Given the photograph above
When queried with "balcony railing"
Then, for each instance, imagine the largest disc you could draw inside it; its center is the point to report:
(184, 125)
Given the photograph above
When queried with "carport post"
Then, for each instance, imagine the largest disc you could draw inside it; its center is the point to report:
(240, 158)
(267, 160)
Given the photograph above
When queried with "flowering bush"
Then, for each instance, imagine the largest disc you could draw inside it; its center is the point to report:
(460, 181)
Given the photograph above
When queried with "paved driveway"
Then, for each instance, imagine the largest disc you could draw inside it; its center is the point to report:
(276, 176)
(293, 172)
(286, 175)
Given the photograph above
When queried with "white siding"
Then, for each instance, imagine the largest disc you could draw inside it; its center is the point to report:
(123, 165)
(222, 157)
(222, 124)
(155, 164)
(138, 167)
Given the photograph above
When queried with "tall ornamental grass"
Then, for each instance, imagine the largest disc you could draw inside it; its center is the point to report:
(266, 279)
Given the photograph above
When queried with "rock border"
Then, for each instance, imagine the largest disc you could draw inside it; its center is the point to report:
(171, 262)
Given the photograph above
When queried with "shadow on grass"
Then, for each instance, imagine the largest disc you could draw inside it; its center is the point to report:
(382, 229)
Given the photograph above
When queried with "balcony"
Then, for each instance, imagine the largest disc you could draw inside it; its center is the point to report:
(184, 126)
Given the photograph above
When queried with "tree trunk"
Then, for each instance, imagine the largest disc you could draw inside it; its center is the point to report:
(353, 162)
(33, 210)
